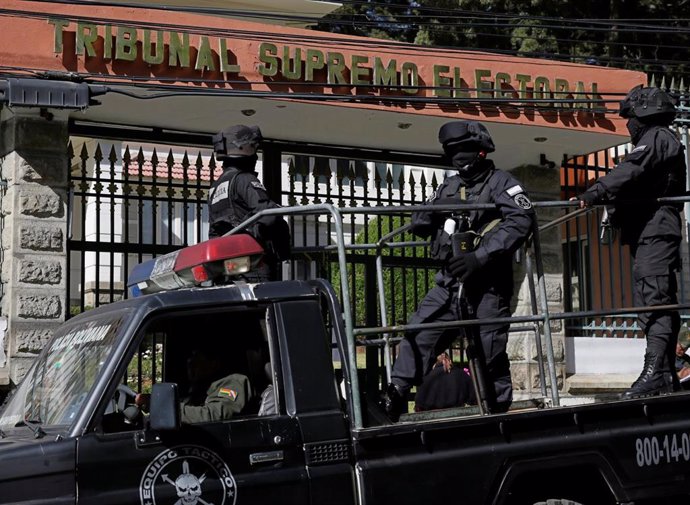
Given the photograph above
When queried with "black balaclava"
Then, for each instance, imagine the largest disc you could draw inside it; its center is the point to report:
(470, 165)
(241, 163)
(636, 128)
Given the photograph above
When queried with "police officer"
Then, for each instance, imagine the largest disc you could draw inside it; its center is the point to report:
(654, 168)
(238, 194)
(485, 271)
(212, 395)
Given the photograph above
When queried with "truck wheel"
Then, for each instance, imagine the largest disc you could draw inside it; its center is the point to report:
(557, 502)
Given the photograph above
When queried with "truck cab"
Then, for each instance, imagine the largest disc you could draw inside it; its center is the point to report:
(91, 444)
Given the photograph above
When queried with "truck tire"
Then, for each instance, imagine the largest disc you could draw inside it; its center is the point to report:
(557, 502)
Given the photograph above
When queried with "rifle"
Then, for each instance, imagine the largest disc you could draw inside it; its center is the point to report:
(463, 241)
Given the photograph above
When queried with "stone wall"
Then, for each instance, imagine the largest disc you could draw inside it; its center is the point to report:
(542, 183)
(34, 167)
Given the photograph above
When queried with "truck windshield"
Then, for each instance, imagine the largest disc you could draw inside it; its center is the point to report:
(55, 388)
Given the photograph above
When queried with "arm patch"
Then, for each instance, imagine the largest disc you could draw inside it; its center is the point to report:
(522, 201)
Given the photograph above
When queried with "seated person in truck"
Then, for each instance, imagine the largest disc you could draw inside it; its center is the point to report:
(214, 394)
(447, 385)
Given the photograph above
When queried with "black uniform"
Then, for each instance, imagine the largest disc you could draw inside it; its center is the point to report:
(654, 168)
(236, 196)
(488, 293)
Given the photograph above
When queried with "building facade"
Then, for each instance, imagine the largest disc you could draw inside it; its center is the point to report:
(95, 187)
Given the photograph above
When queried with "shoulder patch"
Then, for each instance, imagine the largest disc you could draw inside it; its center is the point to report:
(227, 393)
(638, 149)
(258, 185)
(515, 190)
(522, 201)
(220, 192)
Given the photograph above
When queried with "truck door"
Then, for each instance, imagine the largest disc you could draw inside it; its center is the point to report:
(242, 458)
(311, 395)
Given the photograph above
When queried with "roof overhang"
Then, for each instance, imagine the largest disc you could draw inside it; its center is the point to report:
(306, 86)
(330, 124)
(296, 13)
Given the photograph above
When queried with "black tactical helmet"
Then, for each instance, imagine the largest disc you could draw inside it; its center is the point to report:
(237, 141)
(647, 102)
(465, 136)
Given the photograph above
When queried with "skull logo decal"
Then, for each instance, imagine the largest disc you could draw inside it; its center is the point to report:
(182, 472)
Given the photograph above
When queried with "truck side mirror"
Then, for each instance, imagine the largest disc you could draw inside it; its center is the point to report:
(165, 407)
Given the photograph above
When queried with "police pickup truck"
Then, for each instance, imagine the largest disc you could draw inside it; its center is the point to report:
(310, 430)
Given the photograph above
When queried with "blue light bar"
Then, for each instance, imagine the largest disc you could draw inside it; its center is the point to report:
(140, 278)
(219, 259)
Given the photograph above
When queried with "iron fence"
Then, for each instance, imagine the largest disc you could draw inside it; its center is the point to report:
(126, 207)
(597, 275)
(130, 202)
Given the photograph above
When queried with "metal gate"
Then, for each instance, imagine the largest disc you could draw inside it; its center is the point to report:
(131, 201)
(597, 273)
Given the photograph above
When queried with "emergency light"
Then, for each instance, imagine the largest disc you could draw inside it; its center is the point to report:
(213, 260)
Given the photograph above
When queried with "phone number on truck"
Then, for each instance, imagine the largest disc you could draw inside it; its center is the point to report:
(651, 451)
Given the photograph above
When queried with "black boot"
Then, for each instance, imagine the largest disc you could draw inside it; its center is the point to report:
(653, 380)
(394, 402)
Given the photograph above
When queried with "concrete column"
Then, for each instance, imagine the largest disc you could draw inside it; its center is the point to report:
(542, 183)
(34, 166)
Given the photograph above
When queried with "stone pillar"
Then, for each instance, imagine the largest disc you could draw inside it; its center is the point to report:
(34, 166)
(542, 183)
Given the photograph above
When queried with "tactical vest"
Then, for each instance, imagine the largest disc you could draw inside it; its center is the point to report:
(224, 208)
(275, 239)
(478, 221)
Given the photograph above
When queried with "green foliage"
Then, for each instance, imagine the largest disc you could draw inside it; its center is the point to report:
(143, 363)
(647, 35)
(403, 286)
(76, 309)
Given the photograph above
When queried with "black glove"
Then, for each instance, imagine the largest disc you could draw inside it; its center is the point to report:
(587, 197)
(463, 266)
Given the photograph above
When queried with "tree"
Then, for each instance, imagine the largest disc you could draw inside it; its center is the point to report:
(647, 35)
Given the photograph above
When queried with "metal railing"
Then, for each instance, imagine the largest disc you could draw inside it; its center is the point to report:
(540, 319)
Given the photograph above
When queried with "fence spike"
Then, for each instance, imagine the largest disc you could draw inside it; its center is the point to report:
(98, 154)
(652, 81)
(199, 165)
(112, 156)
(663, 83)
